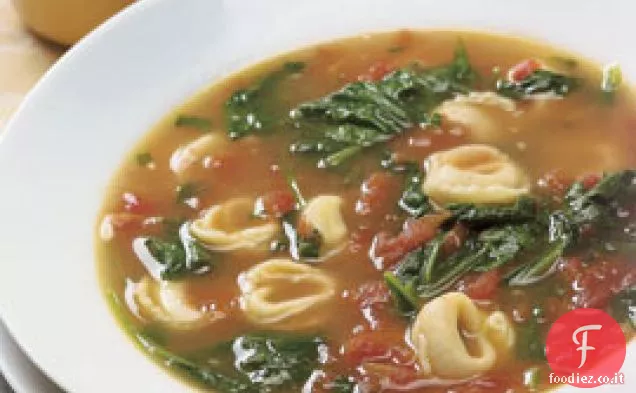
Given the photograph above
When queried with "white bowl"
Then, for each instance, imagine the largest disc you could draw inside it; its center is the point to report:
(73, 130)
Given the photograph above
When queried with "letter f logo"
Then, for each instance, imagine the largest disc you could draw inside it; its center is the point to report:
(583, 343)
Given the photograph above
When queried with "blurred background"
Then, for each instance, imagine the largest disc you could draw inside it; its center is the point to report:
(33, 35)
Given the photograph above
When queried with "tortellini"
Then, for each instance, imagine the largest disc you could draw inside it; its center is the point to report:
(453, 339)
(282, 294)
(323, 213)
(186, 156)
(486, 115)
(166, 302)
(474, 174)
(225, 227)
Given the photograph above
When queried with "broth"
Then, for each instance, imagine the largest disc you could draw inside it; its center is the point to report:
(553, 141)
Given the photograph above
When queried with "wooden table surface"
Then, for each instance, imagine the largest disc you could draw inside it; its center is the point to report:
(23, 60)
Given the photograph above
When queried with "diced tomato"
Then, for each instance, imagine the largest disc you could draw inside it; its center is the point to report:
(387, 250)
(118, 223)
(363, 347)
(555, 307)
(372, 293)
(455, 239)
(135, 205)
(379, 194)
(279, 202)
(521, 305)
(381, 356)
(361, 239)
(590, 180)
(522, 70)
(123, 221)
(401, 376)
(555, 183)
(390, 377)
(376, 72)
(594, 285)
(382, 346)
(485, 385)
(374, 301)
(304, 228)
(481, 286)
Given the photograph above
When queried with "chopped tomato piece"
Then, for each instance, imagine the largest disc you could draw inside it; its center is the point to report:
(555, 183)
(115, 223)
(522, 70)
(387, 251)
(481, 286)
(590, 180)
(278, 203)
(363, 347)
(594, 285)
(372, 293)
(393, 377)
(361, 239)
(382, 346)
(135, 205)
(376, 72)
(455, 239)
(379, 194)
(485, 385)
(374, 301)
(125, 220)
(555, 307)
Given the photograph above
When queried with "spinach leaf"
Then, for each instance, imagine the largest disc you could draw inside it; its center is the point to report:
(623, 307)
(254, 109)
(473, 215)
(413, 200)
(363, 114)
(415, 269)
(200, 123)
(200, 373)
(596, 206)
(538, 82)
(403, 293)
(180, 254)
(526, 233)
(186, 191)
(497, 235)
(419, 275)
(540, 267)
(453, 268)
(566, 62)
(530, 343)
(505, 243)
(590, 205)
(459, 71)
(275, 362)
(143, 159)
(300, 246)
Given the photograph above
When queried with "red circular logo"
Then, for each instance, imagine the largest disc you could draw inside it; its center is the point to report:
(585, 348)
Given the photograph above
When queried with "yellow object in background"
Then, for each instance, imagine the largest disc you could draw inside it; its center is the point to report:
(66, 21)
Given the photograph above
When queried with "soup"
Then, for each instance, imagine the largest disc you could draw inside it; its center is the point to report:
(406, 211)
